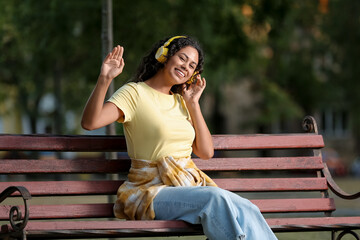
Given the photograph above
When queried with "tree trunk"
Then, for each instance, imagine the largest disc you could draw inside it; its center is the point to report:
(107, 45)
(58, 111)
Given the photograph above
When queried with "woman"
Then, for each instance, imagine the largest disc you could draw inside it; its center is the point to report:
(163, 125)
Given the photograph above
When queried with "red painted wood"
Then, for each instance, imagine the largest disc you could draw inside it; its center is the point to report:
(61, 188)
(313, 223)
(117, 143)
(68, 143)
(270, 163)
(295, 205)
(158, 224)
(105, 209)
(122, 165)
(277, 225)
(272, 184)
(98, 210)
(64, 166)
(161, 224)
(267, 141)
(114, 225)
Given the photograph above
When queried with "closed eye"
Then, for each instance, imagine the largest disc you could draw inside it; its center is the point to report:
(183, 57)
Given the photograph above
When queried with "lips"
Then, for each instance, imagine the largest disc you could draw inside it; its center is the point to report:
(180, 73)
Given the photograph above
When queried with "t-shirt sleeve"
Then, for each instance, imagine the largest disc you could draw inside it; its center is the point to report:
(126, 98)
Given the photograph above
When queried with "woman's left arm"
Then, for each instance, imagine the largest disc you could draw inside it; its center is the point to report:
(203, 145)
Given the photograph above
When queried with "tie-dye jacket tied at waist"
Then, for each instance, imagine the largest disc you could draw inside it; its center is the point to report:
(147, 178)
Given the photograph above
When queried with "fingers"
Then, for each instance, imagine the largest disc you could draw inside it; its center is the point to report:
(117, 53)
(201, 82)
(120, 51)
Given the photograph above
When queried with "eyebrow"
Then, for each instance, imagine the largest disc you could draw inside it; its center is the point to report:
(188, 58)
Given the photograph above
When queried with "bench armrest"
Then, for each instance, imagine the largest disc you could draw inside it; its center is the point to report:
(15, 214)
(335, 188)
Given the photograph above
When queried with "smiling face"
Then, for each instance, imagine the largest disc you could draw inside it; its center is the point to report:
(182, 65)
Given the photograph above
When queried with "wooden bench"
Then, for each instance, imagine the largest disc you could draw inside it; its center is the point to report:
(282, 174)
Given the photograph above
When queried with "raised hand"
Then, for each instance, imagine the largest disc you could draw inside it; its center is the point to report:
(192, 93)
(113, 64)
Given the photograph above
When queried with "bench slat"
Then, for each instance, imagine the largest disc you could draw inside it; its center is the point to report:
(122, 165)
(67, 143)
(265, 141)
(313, 223)
(265, 163)
(272, 184)
(103, 210)
(95, 210)
(117, 143)
(64, 188)
(64, 166)
(114, 228)
(88, 225)
(277, 224)
(295, 205)
(107, 187)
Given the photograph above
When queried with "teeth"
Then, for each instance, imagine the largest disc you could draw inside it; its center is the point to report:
(181, 73)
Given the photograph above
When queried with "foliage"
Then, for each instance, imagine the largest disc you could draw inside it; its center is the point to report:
(294, 52)
(339, 66)
(44, 48)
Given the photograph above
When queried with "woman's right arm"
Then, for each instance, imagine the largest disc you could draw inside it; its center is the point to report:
(96, 113)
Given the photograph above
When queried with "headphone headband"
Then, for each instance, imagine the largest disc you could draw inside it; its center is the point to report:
(161, 53)
(171, 39)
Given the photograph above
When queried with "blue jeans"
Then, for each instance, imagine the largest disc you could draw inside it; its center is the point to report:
(223, 214)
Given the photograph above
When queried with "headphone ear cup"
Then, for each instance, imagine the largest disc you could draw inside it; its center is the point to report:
(161, 54)
(193, 78)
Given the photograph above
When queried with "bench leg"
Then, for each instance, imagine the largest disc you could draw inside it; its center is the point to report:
(345, 232)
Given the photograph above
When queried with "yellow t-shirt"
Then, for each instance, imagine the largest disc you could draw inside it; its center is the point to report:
(156, 125)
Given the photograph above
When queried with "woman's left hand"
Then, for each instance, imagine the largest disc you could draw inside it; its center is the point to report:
(203, 146)
(192, 93)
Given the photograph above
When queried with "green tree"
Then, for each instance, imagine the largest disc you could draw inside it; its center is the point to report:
(290, 85)
(45, 49)
(54, 46)
(341, 36)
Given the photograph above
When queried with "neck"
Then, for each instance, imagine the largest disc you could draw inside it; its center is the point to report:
(159, 83)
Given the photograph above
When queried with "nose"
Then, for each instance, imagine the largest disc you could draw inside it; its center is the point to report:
(185, 66)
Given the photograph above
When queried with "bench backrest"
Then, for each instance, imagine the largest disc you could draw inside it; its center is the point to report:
(279, 173)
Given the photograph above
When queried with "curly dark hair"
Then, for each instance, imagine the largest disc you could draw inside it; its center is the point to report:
(149, 66)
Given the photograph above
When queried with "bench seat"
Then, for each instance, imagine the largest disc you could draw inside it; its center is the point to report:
(72, 197)
(119, 228)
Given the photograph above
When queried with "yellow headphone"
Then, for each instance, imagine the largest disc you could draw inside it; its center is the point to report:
(193, 78)
(161, 53)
